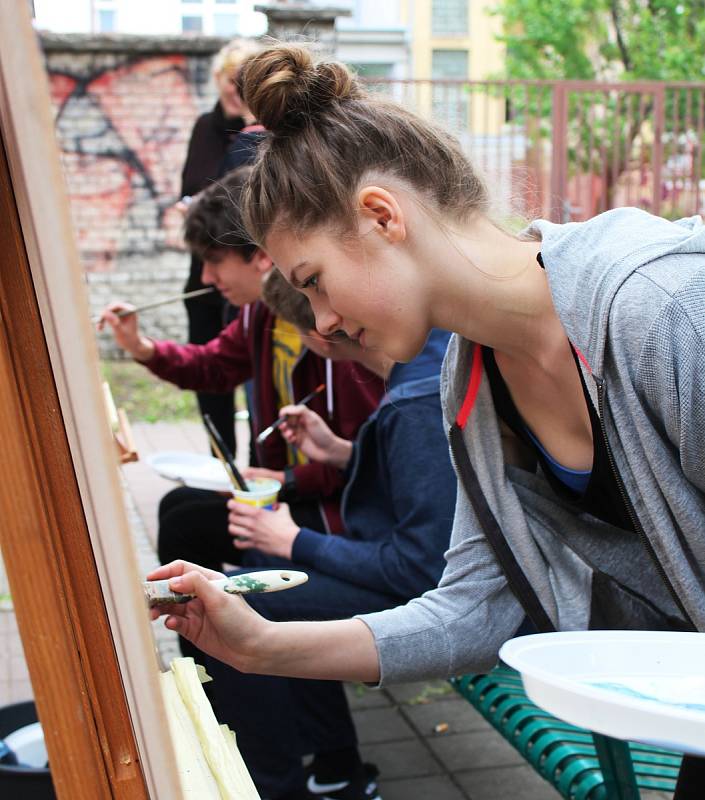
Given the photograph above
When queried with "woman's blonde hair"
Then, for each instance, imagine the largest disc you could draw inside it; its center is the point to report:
(326, 134)
(231, 56)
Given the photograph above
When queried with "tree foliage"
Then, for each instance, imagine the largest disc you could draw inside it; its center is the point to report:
(605, 39)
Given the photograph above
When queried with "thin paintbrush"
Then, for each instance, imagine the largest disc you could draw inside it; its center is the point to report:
(164, 301)
(281, 420)
(224, 454)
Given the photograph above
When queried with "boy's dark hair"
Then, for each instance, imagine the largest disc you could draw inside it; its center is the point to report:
(287, 303)
(214, 223)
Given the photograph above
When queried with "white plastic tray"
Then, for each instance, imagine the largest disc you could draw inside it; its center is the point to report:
(643, 686)
(192, 469)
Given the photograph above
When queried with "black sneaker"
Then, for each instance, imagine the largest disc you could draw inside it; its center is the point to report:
(361, 786)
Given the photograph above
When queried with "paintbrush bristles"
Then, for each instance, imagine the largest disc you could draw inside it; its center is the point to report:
(281, 420)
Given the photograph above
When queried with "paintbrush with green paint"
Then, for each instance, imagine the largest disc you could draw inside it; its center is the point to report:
(158, 593)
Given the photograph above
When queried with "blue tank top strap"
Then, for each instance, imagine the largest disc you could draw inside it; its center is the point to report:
(575, 479)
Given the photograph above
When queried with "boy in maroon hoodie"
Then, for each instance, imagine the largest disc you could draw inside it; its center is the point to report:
(257, 345)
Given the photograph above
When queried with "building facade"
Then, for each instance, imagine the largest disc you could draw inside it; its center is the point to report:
(153, 17)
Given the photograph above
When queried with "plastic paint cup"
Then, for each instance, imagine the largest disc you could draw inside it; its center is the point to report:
(262, 493)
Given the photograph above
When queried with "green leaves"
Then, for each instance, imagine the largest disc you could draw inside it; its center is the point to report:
(604, 39)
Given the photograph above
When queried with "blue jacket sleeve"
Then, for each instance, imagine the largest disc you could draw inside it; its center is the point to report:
(406, 559)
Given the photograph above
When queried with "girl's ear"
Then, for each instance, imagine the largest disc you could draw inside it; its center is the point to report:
(381, 213)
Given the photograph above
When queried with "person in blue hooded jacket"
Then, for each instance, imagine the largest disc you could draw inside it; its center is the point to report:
(397, 511)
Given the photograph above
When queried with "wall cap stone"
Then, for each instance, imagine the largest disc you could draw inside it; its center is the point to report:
(133, 43)
(301, 12)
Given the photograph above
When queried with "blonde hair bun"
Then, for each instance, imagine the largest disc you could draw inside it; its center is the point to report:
(286, 90)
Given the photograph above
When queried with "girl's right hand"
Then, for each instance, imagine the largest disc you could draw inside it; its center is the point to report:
(221, 624)
(306, 431)
(126, 331)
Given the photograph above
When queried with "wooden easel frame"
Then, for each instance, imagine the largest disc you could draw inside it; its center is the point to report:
(64, 534)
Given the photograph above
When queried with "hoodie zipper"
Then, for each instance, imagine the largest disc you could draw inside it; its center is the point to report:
(629, 506)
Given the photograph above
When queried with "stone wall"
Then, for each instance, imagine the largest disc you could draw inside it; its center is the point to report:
(125, 107)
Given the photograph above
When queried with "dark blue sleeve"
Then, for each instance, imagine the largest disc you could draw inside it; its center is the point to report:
(242, 151)
(407, 559)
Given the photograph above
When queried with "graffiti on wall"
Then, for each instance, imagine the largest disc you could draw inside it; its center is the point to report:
(123, 126)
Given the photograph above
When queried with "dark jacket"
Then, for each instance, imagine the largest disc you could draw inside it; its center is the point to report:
(243, 350)
(399, 499)
(211, 137)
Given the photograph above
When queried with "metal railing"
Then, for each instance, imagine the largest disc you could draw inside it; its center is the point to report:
(567, 150)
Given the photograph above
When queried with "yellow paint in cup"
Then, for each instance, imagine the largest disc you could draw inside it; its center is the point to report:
(262, 493)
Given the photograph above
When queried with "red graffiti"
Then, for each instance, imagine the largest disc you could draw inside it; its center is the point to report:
(123, 134)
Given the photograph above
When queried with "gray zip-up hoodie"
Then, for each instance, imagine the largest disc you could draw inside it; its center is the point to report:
(630, 291)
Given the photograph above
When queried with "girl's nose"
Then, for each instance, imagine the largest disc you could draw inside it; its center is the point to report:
(327, 320)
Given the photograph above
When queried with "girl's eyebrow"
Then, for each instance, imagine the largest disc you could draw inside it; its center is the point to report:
(294, 280)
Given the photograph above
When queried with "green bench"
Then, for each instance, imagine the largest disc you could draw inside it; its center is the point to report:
(581, 765)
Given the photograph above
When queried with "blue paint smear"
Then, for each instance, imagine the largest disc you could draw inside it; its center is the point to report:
(629, 692)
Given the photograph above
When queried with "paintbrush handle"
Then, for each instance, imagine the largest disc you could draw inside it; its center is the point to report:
(158, 593)
(164, 301)
(221, 450)
(223, 461)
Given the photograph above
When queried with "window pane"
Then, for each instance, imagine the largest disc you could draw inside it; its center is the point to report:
(449, 64)
(225, 24)
(192, 24)
(449, 16)
(373, 70)
(106, 21)
(450, 100)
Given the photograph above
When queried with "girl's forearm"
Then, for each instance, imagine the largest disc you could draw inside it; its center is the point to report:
(342, 650)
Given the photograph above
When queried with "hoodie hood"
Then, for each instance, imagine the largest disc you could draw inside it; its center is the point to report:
(608, 249)
(426, 364)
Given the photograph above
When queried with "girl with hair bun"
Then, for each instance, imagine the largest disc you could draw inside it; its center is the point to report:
(574, 387)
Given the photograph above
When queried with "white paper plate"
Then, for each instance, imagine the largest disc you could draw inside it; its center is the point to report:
(191, 469)
(643, 686)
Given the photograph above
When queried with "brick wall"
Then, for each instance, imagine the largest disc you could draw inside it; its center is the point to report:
(125, 107)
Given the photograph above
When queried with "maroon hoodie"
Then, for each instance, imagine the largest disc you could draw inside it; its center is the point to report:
(243, 350)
